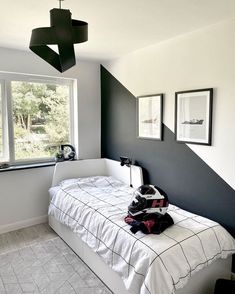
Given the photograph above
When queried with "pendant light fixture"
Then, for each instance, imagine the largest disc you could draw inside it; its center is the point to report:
(64, 32)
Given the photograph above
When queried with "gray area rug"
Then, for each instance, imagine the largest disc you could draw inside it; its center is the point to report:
(48, 266)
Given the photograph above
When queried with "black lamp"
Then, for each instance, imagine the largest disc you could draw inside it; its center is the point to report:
(127, 162)
(64, 32)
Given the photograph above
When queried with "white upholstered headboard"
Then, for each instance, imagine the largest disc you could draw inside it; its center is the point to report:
(97, 167)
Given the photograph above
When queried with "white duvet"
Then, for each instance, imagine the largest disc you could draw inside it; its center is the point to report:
(95, 208)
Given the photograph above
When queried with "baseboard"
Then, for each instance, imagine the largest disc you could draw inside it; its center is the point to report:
(23, 224)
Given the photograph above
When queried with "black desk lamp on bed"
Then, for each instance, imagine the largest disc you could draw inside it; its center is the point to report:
(127, 162)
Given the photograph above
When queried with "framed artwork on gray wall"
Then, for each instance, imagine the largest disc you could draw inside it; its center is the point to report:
(193, 116)
(149, 116)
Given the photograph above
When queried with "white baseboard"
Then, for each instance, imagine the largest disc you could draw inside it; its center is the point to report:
(23, 224)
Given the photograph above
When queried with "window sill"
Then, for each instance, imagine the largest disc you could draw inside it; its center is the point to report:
(27, 166)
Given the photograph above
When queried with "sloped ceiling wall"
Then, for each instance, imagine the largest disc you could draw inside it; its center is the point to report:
(203, 59)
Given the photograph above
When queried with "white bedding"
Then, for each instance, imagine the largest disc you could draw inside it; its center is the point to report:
(95, 208)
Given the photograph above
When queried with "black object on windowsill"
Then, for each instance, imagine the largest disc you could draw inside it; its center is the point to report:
(4, 165)
(66, 152)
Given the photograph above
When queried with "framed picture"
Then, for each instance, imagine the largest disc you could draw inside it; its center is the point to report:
(149, 116)
(193, 116)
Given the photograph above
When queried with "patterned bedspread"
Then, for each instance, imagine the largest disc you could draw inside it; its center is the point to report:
(95, 208)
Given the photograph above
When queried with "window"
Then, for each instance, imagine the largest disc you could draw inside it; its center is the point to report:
(35, 117)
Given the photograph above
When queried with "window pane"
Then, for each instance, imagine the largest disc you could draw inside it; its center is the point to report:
(40, 118)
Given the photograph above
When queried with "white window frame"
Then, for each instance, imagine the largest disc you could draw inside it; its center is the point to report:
(8, 129)
(4, 122)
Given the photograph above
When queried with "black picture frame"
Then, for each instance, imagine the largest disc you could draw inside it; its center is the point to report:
(193, 116)
(150, 117)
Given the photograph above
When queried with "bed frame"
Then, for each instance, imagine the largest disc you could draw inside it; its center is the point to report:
(201, 283)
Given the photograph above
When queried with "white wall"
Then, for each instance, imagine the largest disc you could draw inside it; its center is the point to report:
(24, 197)
(23, 193)
(202, 59)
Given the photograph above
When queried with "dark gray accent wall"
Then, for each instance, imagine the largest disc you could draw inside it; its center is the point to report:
(189, 182)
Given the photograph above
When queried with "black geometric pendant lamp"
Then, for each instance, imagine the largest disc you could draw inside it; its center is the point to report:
(64, 32)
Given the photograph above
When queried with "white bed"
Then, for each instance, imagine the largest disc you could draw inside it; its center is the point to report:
(201, 282)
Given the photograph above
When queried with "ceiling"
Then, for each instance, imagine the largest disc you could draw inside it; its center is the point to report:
(116, 27)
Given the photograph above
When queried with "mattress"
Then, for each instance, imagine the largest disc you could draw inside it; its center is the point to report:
(95, 208)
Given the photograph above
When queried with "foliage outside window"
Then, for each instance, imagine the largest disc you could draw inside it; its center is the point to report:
(39, 118)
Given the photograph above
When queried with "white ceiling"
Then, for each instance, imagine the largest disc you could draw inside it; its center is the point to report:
(116, 27)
